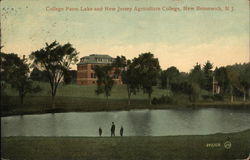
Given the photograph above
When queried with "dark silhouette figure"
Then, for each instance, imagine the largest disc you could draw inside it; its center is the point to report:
(100, 131)
(113, 129)
(121, 131)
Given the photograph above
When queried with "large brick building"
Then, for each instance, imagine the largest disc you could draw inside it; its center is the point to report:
(86, 74)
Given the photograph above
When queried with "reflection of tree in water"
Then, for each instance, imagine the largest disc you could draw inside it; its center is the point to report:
(98, 118)
(202, 121)
(51, 125)
(185, 115)
(186, 119)
(29, 126)
(140, 122)
(21, 126)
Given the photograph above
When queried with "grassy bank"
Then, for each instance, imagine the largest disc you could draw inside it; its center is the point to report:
(74, 90)
(74, 98)
(210, 147)
(39, 105)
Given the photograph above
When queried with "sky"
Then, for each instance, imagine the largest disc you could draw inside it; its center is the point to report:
(177, 38)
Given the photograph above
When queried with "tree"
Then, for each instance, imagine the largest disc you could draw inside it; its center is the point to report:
(188, 88)
(128, 75)
(119, 65)
(208, 76)
(38, 75)
(163, 80)
(168, 77)
(124, 68)
(196, 75)
(147, 68)
(238, 77)
(131, 79)
(56, 60)
(15, 71)
(70, 77)
(104, 80)
(245, 80)
(120, 62)
(222, 77)
(234, 82)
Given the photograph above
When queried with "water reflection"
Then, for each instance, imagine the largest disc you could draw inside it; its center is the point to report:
(51, 125)
(139, 123)
(135, 123)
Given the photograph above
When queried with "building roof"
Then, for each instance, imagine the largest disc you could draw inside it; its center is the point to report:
(96, 58)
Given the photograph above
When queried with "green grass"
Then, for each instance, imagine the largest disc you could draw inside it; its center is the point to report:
(83, 98)
(127, 148)
(74, 90)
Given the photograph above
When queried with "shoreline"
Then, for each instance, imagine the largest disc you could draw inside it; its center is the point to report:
(130, 108)
(183, 147)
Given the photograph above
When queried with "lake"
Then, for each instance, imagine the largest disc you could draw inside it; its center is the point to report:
(135, 123)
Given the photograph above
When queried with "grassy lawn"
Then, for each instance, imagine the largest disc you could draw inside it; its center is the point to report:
(127, 148)
(83, 98)
(74, 90)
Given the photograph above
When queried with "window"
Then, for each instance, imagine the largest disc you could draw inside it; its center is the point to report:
(99, 59)
(105, 60)
(84, 67)
(85, 60)
(79, 75)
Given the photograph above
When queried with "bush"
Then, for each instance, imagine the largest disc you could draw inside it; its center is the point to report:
(218, 97)
(163, 100)
(207, 97)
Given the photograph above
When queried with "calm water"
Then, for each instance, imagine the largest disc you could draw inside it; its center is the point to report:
(135, 123)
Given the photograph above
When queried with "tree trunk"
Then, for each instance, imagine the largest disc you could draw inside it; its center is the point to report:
(21, 99)
(129, 99)
(53, 101)
(129, 95)
(149, 98)
(107, 101)
(232, 98)
(167, 83)
(21, 96)
(249, 93)
(189, 98)
(244, 92)
(53, 94)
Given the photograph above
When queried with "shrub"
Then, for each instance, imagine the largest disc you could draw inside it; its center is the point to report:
(207, 97)
(162, 100)
(218, 97)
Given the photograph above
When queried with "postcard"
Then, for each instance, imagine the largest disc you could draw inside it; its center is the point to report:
(125, 80)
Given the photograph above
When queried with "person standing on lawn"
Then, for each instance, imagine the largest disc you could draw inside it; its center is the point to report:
(113, 129)
(121, 131)
(100, 131)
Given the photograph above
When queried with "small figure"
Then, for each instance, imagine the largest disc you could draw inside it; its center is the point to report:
(113, 129)
(121, 131)
(100, 131)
